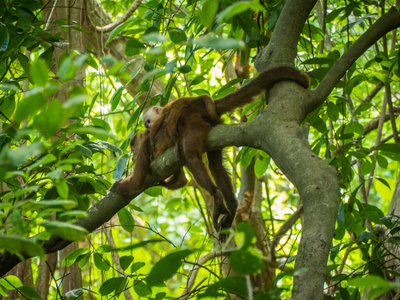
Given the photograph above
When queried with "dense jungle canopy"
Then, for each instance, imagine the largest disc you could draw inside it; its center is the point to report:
(315, 171)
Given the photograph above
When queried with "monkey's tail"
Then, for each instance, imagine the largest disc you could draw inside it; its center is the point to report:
(258, 86)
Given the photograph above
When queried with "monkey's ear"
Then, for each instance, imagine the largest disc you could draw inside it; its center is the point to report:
(157, 109)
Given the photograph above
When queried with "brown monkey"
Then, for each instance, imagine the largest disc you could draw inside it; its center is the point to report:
(186, 122)
(175, 181)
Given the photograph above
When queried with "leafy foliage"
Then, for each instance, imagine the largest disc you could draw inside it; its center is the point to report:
(63, 141)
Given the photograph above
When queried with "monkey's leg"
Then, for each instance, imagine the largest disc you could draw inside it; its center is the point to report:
(223, 182)
(176, 181)
(193, 132)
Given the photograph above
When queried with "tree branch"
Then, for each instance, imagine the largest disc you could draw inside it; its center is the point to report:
(125, 17)
(383, 25)
(165, 165)
(282, 48)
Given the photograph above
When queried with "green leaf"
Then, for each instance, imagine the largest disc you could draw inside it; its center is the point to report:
(125, 261)
(394, 148)
(28, 292)
(122, 27)
(39, 72)
(62, 188)
(218, 43)
(318, 61)
(333, 111)
(111, 285)
(33, 101)
(67, 69)
(166, 267)
(261, 165)
(232, 284)
(65, 230)
(95, 131)
(72, 256)
(111, 147)
(84, 150)
(177, 36)
(22, 154)
(247, 260)
(208, 12)
(16, 244)
(10, 282)
(141, 289)
(120, 166)
(136, 266)
(154, 191)
(101, 262)
(134, 47)
(369, 281)
(238, 8)
(48, 122)
(197, 80)
(116, 98)
(126, 220)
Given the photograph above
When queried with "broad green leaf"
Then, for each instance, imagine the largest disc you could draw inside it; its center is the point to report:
(17, 244)
(154, 191)
(111, 285)
(72, 256)
(134, 47)
(261, 165)
(166, 267)
(122, 27)
(111, 147)
(115, 99)
(318, 61)
(208, 12)
(142, 289)
(154, 37)
(369, 281)
(65, 230)
(66, 69)
(101, 262)
(233, 284)
(34, 205)
(126, 220)
(48, 122)
(33, 101)
(125, 261)
(120, 166)
(218, 43)
(238, 8)
(39, 72)
(28, 292)
(62, 188)
(160, 296)
(23, 153)
(333, 111)
(136, 266)
(95, 131)
(10, 282)
(177, 36)
(247, 260)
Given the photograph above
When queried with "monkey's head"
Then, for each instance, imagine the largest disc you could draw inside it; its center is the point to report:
(150, 114)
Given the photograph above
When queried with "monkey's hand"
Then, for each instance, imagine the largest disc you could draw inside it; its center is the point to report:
(124, 187)
(228, 215)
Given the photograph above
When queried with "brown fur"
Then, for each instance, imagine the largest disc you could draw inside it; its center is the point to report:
(186, 123)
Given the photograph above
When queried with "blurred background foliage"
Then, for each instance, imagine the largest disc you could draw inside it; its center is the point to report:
(64, 139)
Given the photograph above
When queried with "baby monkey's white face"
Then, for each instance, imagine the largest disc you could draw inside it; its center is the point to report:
(149, 115)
